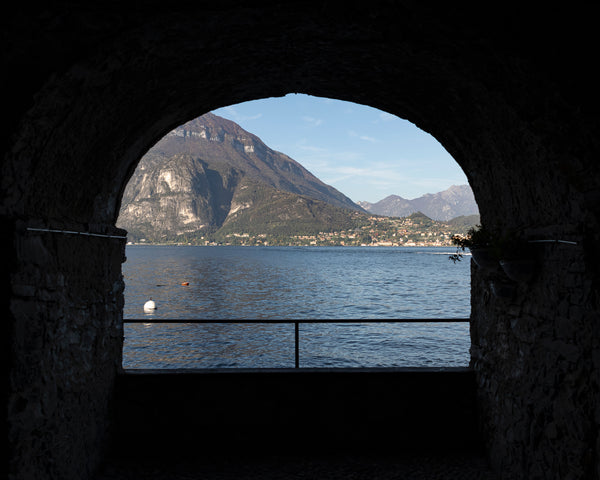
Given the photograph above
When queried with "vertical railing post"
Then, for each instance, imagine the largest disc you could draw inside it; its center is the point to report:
(296, 346)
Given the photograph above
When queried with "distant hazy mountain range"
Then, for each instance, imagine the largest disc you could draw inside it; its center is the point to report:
(211, 175)
(458, 200)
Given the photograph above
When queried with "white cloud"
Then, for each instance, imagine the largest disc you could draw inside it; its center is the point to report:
(311, 148)
(378, 176)
(366, 138)
(336, 180)
(238, 117)
(315, 122)
(386, 117)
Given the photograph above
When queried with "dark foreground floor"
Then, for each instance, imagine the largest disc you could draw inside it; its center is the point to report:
(460, 466)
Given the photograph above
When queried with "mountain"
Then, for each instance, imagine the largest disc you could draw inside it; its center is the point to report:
(464, 222)
(210, 174)
(458, 200)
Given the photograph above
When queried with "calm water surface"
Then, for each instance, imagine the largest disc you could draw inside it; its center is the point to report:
(295, 283)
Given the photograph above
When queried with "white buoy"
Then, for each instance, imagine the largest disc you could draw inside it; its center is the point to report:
(149, 306)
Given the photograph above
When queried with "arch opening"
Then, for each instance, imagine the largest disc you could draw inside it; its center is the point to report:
(173, 199)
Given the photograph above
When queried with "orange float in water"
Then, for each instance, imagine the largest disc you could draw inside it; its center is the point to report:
(185, 283)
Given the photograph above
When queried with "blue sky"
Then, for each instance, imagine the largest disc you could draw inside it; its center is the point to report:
(365, 153)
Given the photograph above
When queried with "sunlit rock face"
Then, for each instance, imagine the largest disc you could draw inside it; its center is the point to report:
(194, 179)
(179, 195)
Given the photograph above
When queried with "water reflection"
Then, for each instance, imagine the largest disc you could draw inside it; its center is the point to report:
(272, 345)
(295, 283)
(208, 345)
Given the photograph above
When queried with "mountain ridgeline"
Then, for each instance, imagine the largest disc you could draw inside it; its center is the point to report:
(211, 177)
(458, 200)
(210, 181)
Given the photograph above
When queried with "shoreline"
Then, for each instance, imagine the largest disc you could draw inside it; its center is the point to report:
(148, 244)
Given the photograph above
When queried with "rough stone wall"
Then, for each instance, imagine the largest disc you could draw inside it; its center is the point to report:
(66, 316)
(536, 352)
(93, 88)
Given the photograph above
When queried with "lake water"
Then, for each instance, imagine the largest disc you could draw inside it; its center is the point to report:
(295, 283)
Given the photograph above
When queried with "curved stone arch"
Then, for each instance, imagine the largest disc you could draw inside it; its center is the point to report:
(104, 113)
(509, 99)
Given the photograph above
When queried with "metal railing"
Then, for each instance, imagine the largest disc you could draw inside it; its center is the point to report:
(297, 324)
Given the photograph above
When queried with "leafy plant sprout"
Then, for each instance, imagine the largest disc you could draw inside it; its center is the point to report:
(476, 236)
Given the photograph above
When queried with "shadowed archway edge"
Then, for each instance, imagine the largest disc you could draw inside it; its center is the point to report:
(453, 72)
(511, 94)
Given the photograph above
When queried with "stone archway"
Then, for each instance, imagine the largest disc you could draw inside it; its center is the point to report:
(165, 77)
(95, 88)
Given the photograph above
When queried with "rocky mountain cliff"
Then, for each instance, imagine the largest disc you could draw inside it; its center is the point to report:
(458, 200)
(209, 173)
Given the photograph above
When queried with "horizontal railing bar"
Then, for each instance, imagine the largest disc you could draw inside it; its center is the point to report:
(335, 321)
